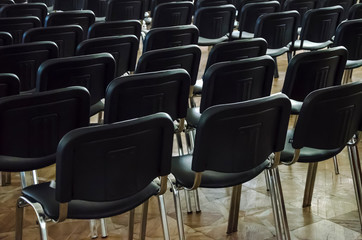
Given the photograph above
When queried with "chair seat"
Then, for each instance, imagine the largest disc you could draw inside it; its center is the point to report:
(209, 41)
(353, 64)
(306, 154)
(296, 106)
(14, 164)
(96, 108)
(193, 116)
(277, 52)
(181, 169)
(45, 195)
(236, 33)
(308, 45)
(198, 86)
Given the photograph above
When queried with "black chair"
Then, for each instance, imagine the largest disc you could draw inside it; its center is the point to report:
(125, 10)
(346, 4)
(83, 18)
(93, 71)
(24, 59)
(249, 14)
(123, 27)
(211, 3)
(68, 5)
(9, 84)
(244, 136)
(5, 39)
(215, 24)
(302, 6)
(280, 30)
(5, 2)
(39, 10)
(355, 11)
(124, 49)
(327, 122)
(33, 124)
(99, 7)
(117, 150)
(318, 28)
(66, 37)
(172, 14)
(348, 34)
(165, 37)
(16, 26)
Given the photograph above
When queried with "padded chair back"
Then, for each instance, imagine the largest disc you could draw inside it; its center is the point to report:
(309, 71)
(236, 81)
(68, 5)
(123, 48)
(49, 3)
(349, 35)
(346, 4)
(319, 25)
(32, 125)
(172, 14)
(66, 37)
(16, 26)
(24, 59)
(211, 3)
(5, 39)
(39, 10)
(9, 84)
(243, 135)
(110, 156)
(329, 117)
(355, 11)
(278, 29)
(302, 6)
(83, 18)
(144, 94)
(251, 11)
(186, 57)
(94, 72)
(236, 50)
(124, 27)
(99, 7)
(215, 22)
(125, 10)
(166, 37)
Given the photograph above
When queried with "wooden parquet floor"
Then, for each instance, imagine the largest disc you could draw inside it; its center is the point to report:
(333, 214)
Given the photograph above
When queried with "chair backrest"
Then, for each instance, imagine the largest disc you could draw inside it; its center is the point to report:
(32, 125)
(165, 37)
(251, 11)
(39, 10)
(66, 37)
(236, 81)
(67, 5)
(123, 27)
(93, 71)
(16, 26)
(319, 25)
(186, 57)
(123, 48)
(110, 156)
(210, 3)
(346, 4)
(9, 84)
(7, 2)
(355, 11)
(99, 7)
(24, 59)
(83, 18)
(49, 3)
(5, 39)
(309, 71)
(302, 6)
(243, 135)
(279, 29)
(329, 117)
(172, 14)
(143, 94)
(349, 35)
(154, 3)
(239, 4)
(236, 50)
(125, 10)
(216, 21)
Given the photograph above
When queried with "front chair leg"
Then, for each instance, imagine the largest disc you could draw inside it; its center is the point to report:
(19, 219)
(309, 185)
(93, 228)
(234, 210)
(274, 201)
(131, 224)
(161, 204)
(144, 220)
(103, 228)
(176, 198)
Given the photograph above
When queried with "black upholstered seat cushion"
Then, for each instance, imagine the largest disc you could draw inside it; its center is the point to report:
(181, 169)
(96, 108)
(77, 209)
(15, 164)
(193, 116)
(306, 154)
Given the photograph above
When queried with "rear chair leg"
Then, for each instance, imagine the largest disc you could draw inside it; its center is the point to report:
(309, 185)
(234, 210)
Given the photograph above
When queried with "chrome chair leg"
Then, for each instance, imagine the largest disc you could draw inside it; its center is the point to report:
(103, 228)
(144, 220)
(197, 200)
(176, 197)
(188, 201)
(161, 204)
(23, 179)
(5, 178)
(309, 185)
(335, 162)
(274, 201)
(266, 180)
(189, 141)
(35, 177)
(234, 210)
(131, 224)
(179, 144)
(93, 228)
(100, 116)
(19, 219)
